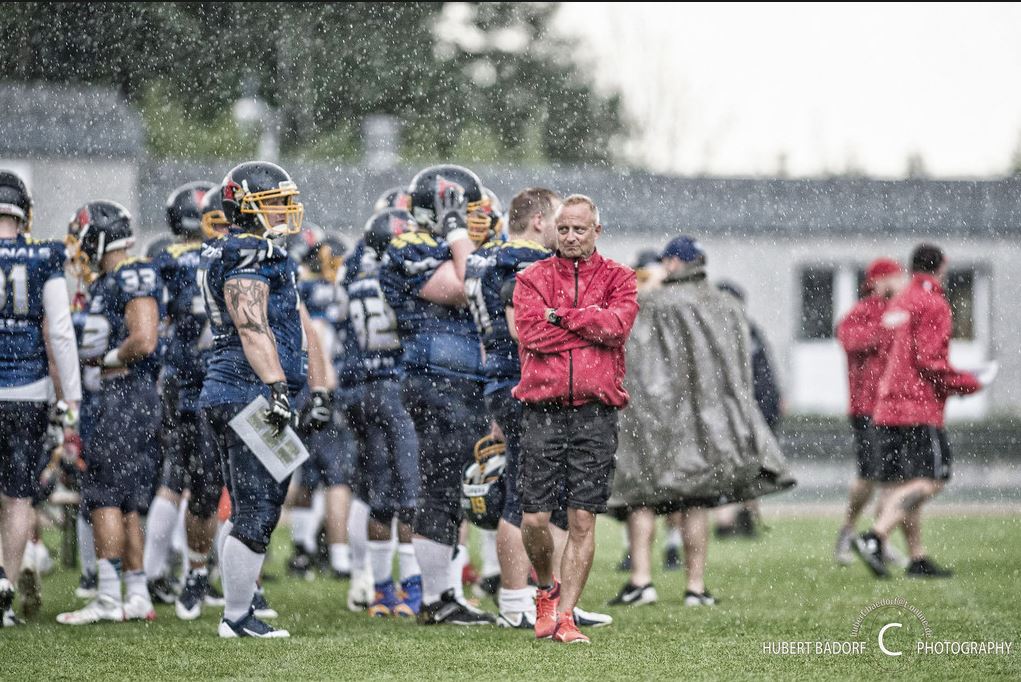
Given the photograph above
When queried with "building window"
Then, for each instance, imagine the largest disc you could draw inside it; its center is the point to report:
(817, 285)
(960, 292)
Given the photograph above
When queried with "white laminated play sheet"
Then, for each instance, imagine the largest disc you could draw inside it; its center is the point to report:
(280, 453)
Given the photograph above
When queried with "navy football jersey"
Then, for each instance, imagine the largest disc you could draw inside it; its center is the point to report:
(237, 255)
(109, 295)
(489, 268)
(373, 342)
(437, 339)
(178, 266)
(25, 267)
(326, 301)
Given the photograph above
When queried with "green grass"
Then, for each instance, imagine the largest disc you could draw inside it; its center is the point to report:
(781, 587)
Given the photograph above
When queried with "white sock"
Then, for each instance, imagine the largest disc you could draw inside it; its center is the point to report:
(301, 522)
(179, 543)
(406, 561)
(673, 537)
(109, 578)
(134, 584)
(381, 557)
(318, 518)
(86, 545)
(159, 532)
(358, 534)
(221, 536)
(457, 564)
(238, 573)
(434, 559)
(340, 557)
(490, 562)
(516, 601)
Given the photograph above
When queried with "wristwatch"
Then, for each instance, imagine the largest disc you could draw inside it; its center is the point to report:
(552, 317)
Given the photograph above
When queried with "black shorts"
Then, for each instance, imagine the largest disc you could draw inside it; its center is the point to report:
(910, 452)
(567, 453)
(22, 439)
(866, 449)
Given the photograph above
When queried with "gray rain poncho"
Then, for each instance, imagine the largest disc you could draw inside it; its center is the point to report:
(692, 432)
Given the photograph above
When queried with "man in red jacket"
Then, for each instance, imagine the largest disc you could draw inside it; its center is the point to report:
(573, 315)
(916, 383)
(861, 334)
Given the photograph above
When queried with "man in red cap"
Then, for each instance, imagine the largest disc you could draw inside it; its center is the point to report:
(861, 334)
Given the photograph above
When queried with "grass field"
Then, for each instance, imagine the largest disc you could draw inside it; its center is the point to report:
(783, 587)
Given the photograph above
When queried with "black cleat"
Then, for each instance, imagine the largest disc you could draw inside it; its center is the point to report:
(449, 611)
(161, 591)
(926, 568)
(869, 547)
(634, 595)
(672, 559)
(301, 564)
(625, 563)
(490, 584)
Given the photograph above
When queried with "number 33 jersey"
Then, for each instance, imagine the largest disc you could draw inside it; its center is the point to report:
(25, 268)
(105, 326)
(239, 256)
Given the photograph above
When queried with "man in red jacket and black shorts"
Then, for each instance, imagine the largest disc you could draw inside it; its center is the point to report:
(861, 333)
(916, 383)
(573, 315)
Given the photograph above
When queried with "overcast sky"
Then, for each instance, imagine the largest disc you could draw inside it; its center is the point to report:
(746, 89)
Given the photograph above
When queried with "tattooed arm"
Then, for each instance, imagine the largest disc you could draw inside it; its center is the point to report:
(246, 302)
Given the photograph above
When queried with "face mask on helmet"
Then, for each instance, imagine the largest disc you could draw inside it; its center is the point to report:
(214, 223)
(431, 188)
(15, 200)
(382, 227)
(260, 196)
(484, 223)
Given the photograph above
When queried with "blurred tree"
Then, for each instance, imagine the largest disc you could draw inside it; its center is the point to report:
(455, 75)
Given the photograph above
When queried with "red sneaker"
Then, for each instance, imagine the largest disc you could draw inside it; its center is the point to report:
(567, 632)
(546, 611)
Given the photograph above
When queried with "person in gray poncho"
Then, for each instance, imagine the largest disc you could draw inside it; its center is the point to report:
(693, 437)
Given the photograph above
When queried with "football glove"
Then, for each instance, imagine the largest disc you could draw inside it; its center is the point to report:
(452, 209)
(318, 410)
(279, 415)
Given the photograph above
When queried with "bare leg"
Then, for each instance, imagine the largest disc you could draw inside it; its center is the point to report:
(379, 532)
(913, 533)
(559, 546)
(510, 551)
(16, 522)
(903, 500)
(134, 542)
(859, 496)
(641, 531)
(108, 527)
(695, 533)
(200, 538)
(338, 500)
(535, 533)
(581, 547)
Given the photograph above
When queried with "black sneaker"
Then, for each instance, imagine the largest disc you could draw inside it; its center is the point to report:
(449, 611)
(697, 599)
(261, 607)
(8, 619)
(301, 564)
(250, 626)
(161, 590)
(926, 568)
(624, 566)
(634, 595)
(6, 594)
(189, 604)
(745, 524)
(869, 547)
(672, 559)
(490, 584)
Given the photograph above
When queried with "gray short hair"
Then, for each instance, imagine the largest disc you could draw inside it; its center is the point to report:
(576, 199)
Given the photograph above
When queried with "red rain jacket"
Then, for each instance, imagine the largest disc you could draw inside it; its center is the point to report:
(918, 378)
(861, 333)
(580, 360)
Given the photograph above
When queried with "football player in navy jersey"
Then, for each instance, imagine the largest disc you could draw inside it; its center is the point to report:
(121, 337)
(189, 460)
(330, 444)
(34, 308)
(422, 277)
(260, 330)
(388, 460)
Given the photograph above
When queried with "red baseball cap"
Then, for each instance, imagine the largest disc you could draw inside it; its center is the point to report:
(882, 267)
